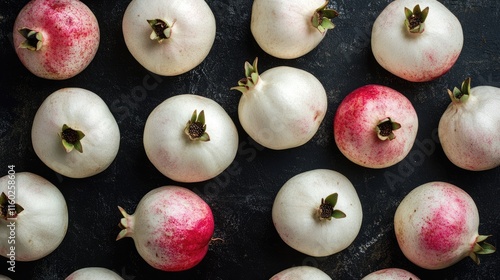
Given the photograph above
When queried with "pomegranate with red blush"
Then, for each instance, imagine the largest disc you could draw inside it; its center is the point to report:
(436, 225)
(56, 39)
(171, 227)
(375, 126)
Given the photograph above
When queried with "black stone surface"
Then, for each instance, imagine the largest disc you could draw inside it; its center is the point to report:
(241, 197)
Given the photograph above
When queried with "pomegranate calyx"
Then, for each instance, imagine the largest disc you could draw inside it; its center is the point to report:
(126, 224)
(251, 77)
(8, 208)
(415, 19)
(161, 29)
(322, 18)
(385, 129)
(196, 127)
(327, 211)
(460, 95)
(70, 139)
(481, 248)
(34, 39)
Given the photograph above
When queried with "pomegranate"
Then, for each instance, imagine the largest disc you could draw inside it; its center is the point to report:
(56, 39)
(468, 129)
(375, 126)
(391, 274)
(436, 225)
(171, 227)
(302, 272)
(417, 40)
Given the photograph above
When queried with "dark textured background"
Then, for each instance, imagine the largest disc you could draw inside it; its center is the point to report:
(242, 196)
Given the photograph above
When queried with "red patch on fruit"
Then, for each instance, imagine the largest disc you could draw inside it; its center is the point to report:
(443, 231)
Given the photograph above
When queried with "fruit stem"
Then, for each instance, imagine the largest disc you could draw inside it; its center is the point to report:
(126, 224)
(322, 18)
(161, 29)
(327, 211)
(461, 95)
(71, 139)
(8, 208)
(251, 77)
(196, 128)
(481, 248)
(415, 19)
(34, 39)
(385, 129)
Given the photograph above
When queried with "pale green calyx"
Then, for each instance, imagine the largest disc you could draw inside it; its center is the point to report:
(481, 248)
(327, 211)
(415, 19)
(251, 77)
(8, 208)
(460, 95)
(71, 139)
(161, 29)
(385, 129)
(196, 128)
(322, 18)
(126, 224)
(34, 39)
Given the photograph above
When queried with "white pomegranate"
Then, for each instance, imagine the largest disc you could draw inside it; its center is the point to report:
(317, 212)
(391, 274)
(34, 214)
(469, 130)
(290, 29)
(301, 273)
(436, 225)
(190, 138)
(94, 273)
(74, 133)
(281, 108)
(169, 37)
(417, 40)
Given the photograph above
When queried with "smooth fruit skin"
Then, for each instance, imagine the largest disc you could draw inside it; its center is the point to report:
(70, 37)
(436, 225)
(285, 108)
(357, 117)
(94, 273)
(283, 29)
(83, 110)
(417, 57)
(301, 273)
(179, 158)
(193, 34)
(172, 228)
(42, 225)
(469, 132)
(391, 274)
(295, 207)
